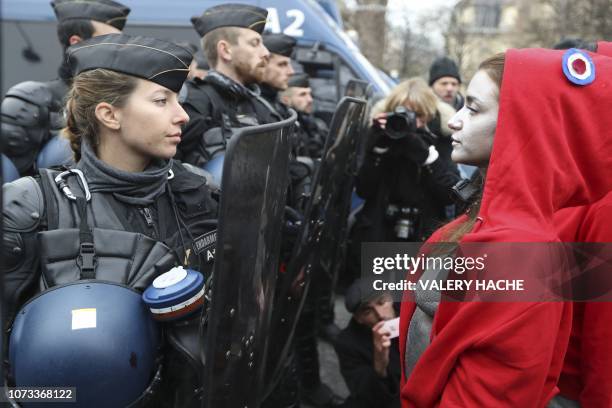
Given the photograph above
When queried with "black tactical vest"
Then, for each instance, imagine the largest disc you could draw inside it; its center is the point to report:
(130, 245)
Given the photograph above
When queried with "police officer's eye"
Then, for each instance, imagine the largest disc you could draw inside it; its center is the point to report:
(161, 101)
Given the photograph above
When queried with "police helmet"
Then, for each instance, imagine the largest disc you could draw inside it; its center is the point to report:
(95, 336)
(25, 115)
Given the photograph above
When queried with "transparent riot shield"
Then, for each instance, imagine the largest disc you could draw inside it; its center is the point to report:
(322, 230)
(254, 188)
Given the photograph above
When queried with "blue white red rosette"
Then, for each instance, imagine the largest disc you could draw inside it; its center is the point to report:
(578, 67)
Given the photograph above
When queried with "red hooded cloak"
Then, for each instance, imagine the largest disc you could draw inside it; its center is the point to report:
(548, 154)
(587, 370)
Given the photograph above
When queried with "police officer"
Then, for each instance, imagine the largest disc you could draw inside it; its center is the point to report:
(312, 131)
(127, 211)
(278, 70)
(32, 111)
(228, 97)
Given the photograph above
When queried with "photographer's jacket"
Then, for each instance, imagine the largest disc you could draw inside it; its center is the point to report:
(389, 179)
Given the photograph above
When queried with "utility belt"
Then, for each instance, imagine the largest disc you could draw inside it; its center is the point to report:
(406, 221)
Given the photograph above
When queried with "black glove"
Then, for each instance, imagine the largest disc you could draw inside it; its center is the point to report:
(413, 147)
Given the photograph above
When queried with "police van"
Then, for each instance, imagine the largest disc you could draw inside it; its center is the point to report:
(31, 51)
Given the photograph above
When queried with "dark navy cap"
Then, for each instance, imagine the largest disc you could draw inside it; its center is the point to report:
(105, 11)
(280, 44)
(359, 293)
(300, 80)
(162, 62)
(231, 15)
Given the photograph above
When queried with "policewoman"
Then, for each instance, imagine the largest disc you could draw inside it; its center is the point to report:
(126, 213)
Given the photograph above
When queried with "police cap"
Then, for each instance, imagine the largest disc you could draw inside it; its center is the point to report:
(230, 15)
(280, 44)
(105, 11)
(300, 80)
(162, 62)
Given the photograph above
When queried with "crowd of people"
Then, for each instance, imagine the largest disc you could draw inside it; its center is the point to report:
(521, 156)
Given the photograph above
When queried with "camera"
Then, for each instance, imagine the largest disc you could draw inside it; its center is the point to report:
(400, 123)
(405, 221)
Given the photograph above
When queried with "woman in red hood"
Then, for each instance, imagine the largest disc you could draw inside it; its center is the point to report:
(586, 378)
(536, 123)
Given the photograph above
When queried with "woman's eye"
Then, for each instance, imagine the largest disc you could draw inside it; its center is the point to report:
(472, 110)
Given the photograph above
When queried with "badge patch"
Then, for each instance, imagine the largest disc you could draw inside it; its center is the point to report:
(578, 67)
(205, 241)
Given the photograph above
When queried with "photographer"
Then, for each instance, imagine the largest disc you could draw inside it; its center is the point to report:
(407, 174)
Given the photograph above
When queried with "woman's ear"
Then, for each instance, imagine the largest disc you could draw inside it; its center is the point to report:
(108, 115)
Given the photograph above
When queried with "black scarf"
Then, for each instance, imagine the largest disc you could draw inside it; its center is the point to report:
(131, 188)
(230, 86)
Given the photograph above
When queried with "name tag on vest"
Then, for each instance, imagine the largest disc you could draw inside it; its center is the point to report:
(205, 242)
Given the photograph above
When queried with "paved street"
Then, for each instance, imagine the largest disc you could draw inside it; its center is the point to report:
(330, 370)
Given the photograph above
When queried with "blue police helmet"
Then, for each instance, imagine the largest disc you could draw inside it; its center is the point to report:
(56, 152)
(215, 168)
(9, 171)
(95, 336)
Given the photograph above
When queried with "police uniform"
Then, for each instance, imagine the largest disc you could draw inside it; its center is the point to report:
(312, 131)
(97, 222)
(32, 111)
(217, 103)
(283, 45)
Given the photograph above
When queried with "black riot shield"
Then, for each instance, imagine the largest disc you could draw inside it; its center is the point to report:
(254, 188)
(322, 230)
(2, 307)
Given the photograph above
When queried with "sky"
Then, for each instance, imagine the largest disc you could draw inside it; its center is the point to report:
(415, 9)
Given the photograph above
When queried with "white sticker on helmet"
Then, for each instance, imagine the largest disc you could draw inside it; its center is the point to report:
(83, 319)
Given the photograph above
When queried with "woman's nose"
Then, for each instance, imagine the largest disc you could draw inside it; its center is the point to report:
(455, 123)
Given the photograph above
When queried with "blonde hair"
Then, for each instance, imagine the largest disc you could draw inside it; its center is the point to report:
(414, 91)
(88, 89)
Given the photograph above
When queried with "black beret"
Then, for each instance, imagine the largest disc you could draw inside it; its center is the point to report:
(299, 80)
(105, 11)
(162, 62)
(231, 15)
(359, 293)
(443, 67)
(280, 44)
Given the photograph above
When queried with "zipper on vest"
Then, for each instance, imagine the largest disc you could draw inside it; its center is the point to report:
(148, 216)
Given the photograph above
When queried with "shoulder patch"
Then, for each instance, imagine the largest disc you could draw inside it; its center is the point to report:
(24, 205)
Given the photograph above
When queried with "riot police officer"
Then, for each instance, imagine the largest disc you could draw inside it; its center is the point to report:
(127, 211)
(312, 131)
(32, 111)
(278, 70)
(228, 97)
